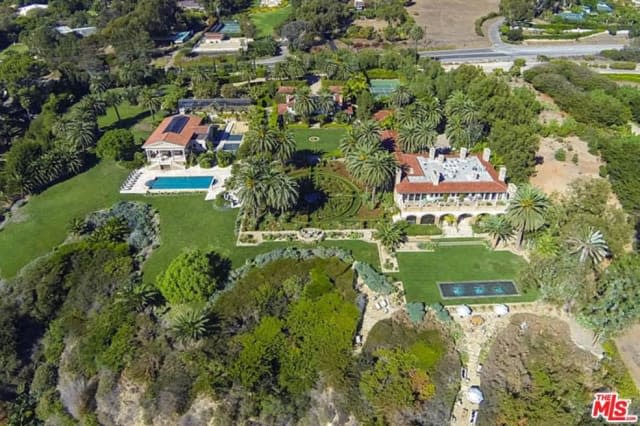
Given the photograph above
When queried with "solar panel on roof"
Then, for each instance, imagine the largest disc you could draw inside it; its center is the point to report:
(176, 125)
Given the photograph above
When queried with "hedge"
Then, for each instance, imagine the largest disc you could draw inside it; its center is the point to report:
(481, 20)
(622, 65)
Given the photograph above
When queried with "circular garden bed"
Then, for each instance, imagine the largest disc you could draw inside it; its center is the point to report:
(325, 196)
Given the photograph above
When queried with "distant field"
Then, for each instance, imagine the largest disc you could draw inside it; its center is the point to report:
(421, 271)
(329, 139)
(266, 22)
(632, 78)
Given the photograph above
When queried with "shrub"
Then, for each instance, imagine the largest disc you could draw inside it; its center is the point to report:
(118, 144)
(622, 65)
(138, 217)
(415, 311)
(481, 20)
(224, 158)
(515, 34)
(560, 155)
(574, 159)
(206, 160)
(372, 279)
(193, 276)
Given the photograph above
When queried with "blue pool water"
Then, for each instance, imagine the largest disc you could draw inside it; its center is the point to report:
(478, 289)
(181, 182)
(230, 146)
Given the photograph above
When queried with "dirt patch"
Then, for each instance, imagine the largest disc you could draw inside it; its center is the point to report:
(628, 345)
(451, 22)
(376, 24)
(554, 175)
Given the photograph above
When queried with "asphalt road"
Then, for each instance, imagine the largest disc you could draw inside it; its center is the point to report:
(498, 51)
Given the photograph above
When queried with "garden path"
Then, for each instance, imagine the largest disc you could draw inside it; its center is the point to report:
(378, 307)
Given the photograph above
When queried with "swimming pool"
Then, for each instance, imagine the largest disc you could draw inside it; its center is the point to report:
(478, 289)
(182, 183)
(230, 146)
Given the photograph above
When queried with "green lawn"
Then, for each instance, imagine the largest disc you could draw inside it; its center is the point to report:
(43, 222)
(632, 78)
(16, 47)
(329, 139)
(185, 221)
(132, 117)
(420, 271)
(265, 22)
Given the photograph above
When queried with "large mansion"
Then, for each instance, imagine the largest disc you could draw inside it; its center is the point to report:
(173, 140)
(428, 188)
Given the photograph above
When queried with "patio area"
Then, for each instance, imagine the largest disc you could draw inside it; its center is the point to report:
(136, 182)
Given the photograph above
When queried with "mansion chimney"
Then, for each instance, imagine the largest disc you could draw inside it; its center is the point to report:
(502, 173)
(435, 178)
(486, 154)
(463, 153)
(432, 153)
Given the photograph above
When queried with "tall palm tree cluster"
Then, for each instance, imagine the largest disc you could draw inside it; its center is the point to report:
(464, 127)
(366, 159)
(278, 144)
(262, 186)
(417, 121)
(306, 105)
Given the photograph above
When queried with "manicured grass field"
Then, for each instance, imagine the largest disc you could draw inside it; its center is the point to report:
(43, 222)
(132, 117)
(420, 271)
(185, 221)
(329, 139)
(16, 48)
(266, 22)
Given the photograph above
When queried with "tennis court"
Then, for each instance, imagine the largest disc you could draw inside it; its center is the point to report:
(230, 27)
(383, 87)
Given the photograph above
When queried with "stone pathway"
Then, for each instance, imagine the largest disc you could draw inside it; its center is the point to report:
(479, 337)
(378, 307)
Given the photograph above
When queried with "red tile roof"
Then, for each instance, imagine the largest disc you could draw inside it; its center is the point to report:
(411, 162)
(335, 89)
(382, 114)
(214, 36)
(289, 90)
(182, 137)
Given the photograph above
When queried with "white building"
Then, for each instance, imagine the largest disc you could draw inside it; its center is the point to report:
(173, 140)
(218, 43)
(429, 188)
(24, 10)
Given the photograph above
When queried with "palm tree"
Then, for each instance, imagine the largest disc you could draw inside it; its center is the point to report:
(589, 245)
(285, 146)
(305, 104)
(527, 209)
(81, 131)
(91, 104)
(348, 143)
(379, 170)
(99, 84)
(357, 160)
(460, 105)
(112, 98)
(457, 133)
(325, 103)
(401, 96)
(191, 326)
(138, 296)
(417, 137)
(262, 140)
(498, 227)
(430, 111)
(282, 192)
(367, 132)
(150, 101)
(391, 235)
(247, 180)
(407, 117)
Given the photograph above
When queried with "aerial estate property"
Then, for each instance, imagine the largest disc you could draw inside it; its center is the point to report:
(319, 212)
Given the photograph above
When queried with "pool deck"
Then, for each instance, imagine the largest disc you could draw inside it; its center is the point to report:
(219, 174)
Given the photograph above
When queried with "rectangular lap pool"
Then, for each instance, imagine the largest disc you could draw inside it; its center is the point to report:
(181, 183)
(478, 289)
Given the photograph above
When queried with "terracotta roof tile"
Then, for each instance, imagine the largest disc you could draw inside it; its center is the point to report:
(184, 128)
(282, 109)
(382, 114)
(411, 162)
(289, 90)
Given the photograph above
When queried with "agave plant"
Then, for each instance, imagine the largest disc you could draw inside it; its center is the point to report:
(589, 245)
